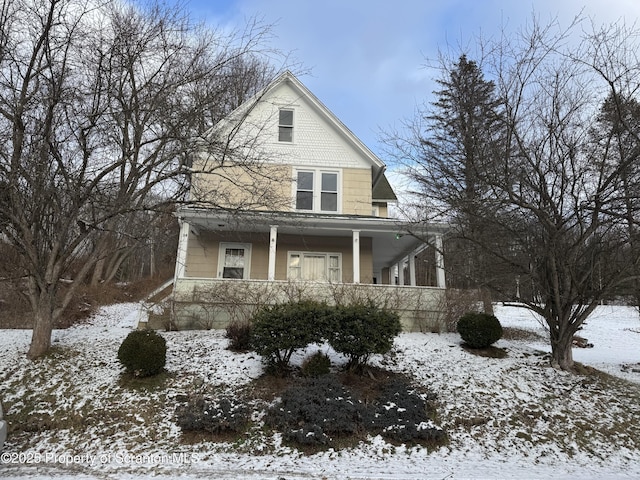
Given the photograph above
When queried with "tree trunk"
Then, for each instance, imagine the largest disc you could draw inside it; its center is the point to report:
(96, 278)
(152, 259)
(116, 261)
(487, 304)
(42, 326)
(562, 349)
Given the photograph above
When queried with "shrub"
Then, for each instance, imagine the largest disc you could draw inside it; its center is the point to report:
(143, 353)
(307, 435)
(221, 416)
(279, 330)
(319, 411)
(361, 330)
(401, 414)
(311, 411)
(479, 330)
(315, 365)
(239, 335)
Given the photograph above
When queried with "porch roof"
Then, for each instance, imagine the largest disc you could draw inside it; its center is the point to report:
(392, 239)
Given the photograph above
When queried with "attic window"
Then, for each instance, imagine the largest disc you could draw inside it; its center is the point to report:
(285, 126)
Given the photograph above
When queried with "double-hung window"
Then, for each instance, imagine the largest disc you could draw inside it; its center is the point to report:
(315, 266)
(304, 191)
(234, 260)
(317, 191)
(329, 192)
(285, 126)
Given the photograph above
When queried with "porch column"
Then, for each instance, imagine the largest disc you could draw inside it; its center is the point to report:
(412, 269)
(181, 259)
(356, 256)
(273, 240)
(401, 272)
(440, 278)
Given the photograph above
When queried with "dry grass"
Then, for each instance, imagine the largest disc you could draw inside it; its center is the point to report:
(15, 310)
(521, 334)
(489, 352)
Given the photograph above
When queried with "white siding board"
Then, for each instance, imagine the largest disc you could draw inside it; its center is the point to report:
(316, 142)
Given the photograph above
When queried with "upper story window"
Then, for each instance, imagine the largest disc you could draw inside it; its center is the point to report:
(304, 191)
(285, 126)
(329, 192)
(317, 191)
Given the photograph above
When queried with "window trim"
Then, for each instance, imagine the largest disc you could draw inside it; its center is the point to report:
(222, 247)
(327, 256)
(316, 204)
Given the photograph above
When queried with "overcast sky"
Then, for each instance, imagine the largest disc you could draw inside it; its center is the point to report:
(367, 58)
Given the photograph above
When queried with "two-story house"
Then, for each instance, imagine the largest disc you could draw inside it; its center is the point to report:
(301, 209)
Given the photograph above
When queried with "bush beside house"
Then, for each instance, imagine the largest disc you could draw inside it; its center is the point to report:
(357, 331)
(281, 329)
(479, 330)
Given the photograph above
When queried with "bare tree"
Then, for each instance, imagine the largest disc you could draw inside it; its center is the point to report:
(101, 106)
(559, 201)
(143, 244)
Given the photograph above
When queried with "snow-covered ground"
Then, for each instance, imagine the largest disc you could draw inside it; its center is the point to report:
(614, 332)
(506, 418)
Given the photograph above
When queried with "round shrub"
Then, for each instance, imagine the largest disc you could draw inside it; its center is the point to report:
(479, 330)
(143, 353)
(315, 365)
(281, 329)
(361, 330)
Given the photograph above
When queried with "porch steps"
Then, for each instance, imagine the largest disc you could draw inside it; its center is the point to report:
(152, 300)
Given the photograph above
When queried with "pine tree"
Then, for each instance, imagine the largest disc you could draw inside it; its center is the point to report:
(459, 146)
(465, 123)
(616, 135)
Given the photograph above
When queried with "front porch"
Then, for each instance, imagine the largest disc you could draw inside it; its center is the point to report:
(207, 303)
(230, 265)
(274, 246)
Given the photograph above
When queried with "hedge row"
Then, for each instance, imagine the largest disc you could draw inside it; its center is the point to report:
(357, 331)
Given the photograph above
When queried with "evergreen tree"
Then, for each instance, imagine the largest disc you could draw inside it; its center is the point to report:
(616, 138)
(461, 139)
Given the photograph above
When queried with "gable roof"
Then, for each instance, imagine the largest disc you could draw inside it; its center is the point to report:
(330, 117)
(240, 113)
(382, 190)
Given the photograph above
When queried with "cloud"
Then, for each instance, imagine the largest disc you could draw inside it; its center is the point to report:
(367, 57)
